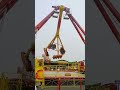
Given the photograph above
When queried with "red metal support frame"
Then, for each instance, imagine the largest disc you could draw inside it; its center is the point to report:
(58, 83)
(108, 20)
(74, 22)
(77, 24)
(112, 9)
(6, 4)
(44, 21)
(3, 3)
(80, 84)
(77, 29)
(59, 79)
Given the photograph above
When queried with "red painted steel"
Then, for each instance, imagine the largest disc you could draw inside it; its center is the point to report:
(77, 29)
(6, 4)
(78, 24)
(80, 84)
(74, 22)
(108, 20)
(112, 9)
(44, 21)
(58, 83)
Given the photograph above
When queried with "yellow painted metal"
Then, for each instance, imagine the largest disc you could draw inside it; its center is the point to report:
(78, 67)
(20, 81)
(51, 73)
(65, 74)
(74, 66)
(39, 65)
(4, 85)
(61, 9)
(60, 18)
(57, 46)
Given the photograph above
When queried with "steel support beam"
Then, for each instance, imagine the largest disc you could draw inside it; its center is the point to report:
(77, 29)
(77, 24)
(108, 20)
(112, 9)
(43, 21)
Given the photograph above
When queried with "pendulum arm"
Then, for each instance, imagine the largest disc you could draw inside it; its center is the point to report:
(43, 21)
(58, 27)
(61, 8)
(57, 37)
(61, 42)
(108, 20)
(59, 20)
(57, 46)
(51, 42)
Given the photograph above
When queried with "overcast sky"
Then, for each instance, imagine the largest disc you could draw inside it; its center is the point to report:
(75, 48)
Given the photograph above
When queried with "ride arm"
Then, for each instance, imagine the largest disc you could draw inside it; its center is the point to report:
(74, 24)
(112, 9)
(6, 4)
(73, 19)
(108, 20)
(43, 21)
